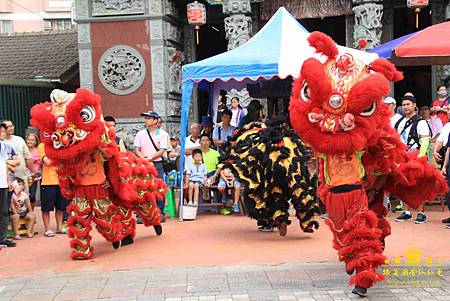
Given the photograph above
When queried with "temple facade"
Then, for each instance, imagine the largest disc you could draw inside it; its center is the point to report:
(131, 52)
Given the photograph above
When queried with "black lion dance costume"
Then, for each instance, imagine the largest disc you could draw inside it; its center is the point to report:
(105, 186)
(272, 164)
(336, 107)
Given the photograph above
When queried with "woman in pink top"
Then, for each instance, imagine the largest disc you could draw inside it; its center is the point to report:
(32, 141)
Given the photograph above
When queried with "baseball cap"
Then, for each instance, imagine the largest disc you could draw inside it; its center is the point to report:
(151, 114)
(207, 120)
(174, 138)
(389, 100)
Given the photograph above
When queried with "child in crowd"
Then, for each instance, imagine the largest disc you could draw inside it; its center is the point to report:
(196, 177)
(21, 208)
(227, 179)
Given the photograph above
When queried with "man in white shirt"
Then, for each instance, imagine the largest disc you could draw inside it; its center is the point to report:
(416, 134)
(8, 161)
(192, 142)
(441, 142)
(392, 104)
(22, 152)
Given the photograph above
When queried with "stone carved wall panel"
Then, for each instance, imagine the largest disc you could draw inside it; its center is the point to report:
(368, 25)
(128, 131)
(156, 7)
(158, 79)
(236, 7)
(82, 8)
(173, 33)
(170, 8)
(84, 33)
(121, 69)
(159, 105)
(237, 30)
(156, 29)
(175, 107)
(243, 95)
(175, 59)
(117, 7)
(189, 46)
(85, 66)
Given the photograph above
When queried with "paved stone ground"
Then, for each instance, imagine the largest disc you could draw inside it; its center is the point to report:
(291, 281)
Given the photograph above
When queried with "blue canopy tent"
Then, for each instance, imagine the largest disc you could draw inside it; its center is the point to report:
(278, 49)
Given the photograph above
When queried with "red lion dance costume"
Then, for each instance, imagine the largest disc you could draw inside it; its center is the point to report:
(104, 185)
(336, 107)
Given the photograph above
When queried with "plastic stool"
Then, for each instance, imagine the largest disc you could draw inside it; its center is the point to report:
(171, 207)
(22, 228)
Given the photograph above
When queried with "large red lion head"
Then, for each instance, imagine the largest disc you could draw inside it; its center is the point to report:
(70, 125)
(336, 106)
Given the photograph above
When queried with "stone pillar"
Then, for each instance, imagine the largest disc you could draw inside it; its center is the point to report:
(238, 26)
(368, 26)
(440, 10)
(167, 52)
(130, 52)
(349, 30)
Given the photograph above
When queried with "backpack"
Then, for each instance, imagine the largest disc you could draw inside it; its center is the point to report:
(413, 137)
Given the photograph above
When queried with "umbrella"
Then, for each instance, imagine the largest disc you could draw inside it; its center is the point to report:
(385, 50)
(430, 46)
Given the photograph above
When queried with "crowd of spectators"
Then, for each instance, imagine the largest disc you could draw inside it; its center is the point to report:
(427, 131)
(27, 174)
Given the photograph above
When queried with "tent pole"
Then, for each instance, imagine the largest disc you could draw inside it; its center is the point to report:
(186, 92)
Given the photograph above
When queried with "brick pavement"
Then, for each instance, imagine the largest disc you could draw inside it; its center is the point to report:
(290, 281)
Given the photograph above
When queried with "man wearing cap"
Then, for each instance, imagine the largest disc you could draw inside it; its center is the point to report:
(392, 104)
(151, 144)
(173, 154)
(415, 133)
(207, 126)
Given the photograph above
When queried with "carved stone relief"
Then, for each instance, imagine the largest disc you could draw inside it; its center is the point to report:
(117, 7)
(243, 95)
(171, 9)
(85, 63)
(437, 12)
(127, 132)
(237, 30)
(82, 8)
(121, 69)
(156, 7)
(236, 7)
(158, 69)
(84, 32)
(175, 59)
(368, 24)
(156, 30)
(175, 107)
(173, 33)
(442, 73)
(189, 46)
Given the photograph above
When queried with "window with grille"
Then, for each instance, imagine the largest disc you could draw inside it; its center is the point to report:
(58, 24)
(5, 26)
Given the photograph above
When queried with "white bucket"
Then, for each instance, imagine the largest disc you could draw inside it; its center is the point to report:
(190, 212)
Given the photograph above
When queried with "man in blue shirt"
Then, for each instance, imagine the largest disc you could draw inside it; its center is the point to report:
(225, 131)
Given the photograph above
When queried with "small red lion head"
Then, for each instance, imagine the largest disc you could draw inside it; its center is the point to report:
(70, 125)
(336, 106)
